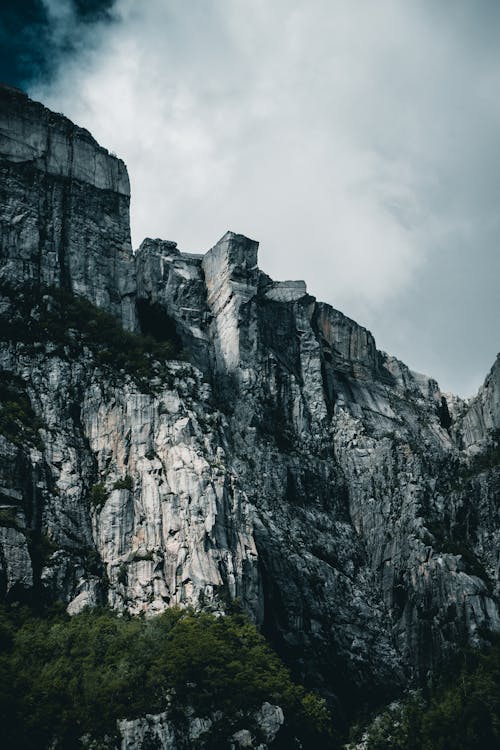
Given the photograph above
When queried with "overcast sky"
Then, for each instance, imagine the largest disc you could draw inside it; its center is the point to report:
(358, 141)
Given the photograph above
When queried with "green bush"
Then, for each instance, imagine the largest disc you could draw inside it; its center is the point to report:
(127, 483)
(97, 495)
(70, 322)
(41, 546)
(18, 421)
(8, 517)
(61, 678)
(462, 713)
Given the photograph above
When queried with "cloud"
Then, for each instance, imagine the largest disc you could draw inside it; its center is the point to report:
(23, 41)
(356, 141)
(38, 36)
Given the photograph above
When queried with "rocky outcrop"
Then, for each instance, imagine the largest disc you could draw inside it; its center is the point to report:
(173, 281)
(64, 207)
(481, 421)
(289, 463)
(343, 454)
(161, 732)
(135, 500)
(175, 526)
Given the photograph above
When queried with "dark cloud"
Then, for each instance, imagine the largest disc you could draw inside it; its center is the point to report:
(91, 11)
(37, 35)
(24, 37)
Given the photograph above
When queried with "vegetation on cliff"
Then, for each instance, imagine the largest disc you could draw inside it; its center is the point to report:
(62, 678)
(18, 421)
(37, 316)
(462, 712)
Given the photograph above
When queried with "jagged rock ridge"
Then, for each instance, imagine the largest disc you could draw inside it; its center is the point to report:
(288, 463)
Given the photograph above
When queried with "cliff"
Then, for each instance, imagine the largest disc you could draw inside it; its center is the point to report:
(65, 207)
(284, 461)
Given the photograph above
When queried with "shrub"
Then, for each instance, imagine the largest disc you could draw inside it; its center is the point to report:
(61, 678)
(18, 421)
(461, 713)
(70, 322)
(127, 483)
(8, 517)
(97, 495)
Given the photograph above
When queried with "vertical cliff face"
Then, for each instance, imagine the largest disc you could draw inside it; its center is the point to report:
(64, 207)
(173, 281)
(360, 489)
(285, 462)
(175, 526)
(481, 421)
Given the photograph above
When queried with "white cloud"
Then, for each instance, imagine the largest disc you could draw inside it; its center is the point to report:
(329, 130)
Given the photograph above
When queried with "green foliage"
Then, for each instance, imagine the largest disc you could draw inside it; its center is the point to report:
(127, 483)
(61, 678)
(398, 727)
(8, 517)
(18, 421)
(70, 322)
(42, 547)
(97, 495)
(461, 714)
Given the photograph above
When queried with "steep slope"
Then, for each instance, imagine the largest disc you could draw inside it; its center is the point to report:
(354, 479)
(64, 205)
(288, 463)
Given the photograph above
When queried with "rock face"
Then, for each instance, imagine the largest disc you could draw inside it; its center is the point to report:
(481, 421)
(64, 204)
(161, 733)
(288, 463)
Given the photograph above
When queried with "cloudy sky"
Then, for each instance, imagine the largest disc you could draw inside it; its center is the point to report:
(358, 141)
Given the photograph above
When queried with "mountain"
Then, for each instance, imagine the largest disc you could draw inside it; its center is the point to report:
(180, 429)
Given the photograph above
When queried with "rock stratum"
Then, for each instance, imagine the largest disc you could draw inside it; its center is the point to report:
(282, 460)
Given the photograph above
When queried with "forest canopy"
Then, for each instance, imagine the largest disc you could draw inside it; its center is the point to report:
(62, 678)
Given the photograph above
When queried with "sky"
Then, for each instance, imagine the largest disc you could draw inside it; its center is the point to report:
(357, 141)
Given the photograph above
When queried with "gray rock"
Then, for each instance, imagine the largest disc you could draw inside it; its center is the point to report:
(175, 281)
(64, 208)
(269, 720)
(163, 732)
(15, 562)
(155, 729)
(290, 464)
(482, 417)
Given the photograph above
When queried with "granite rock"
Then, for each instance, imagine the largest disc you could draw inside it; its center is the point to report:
(64, 208)
(349, 504)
